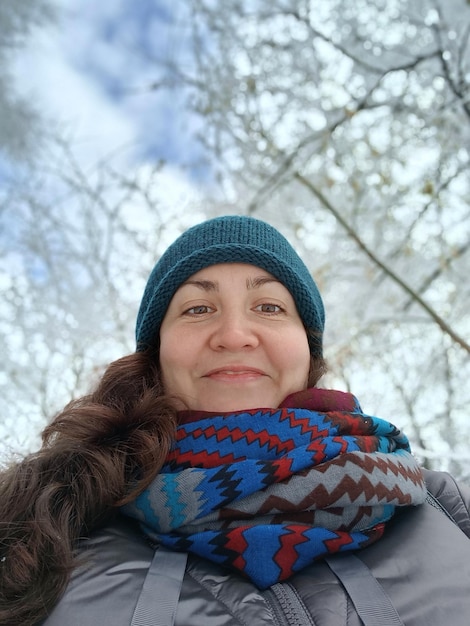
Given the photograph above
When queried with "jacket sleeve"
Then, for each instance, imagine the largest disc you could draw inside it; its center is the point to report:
(453, 497)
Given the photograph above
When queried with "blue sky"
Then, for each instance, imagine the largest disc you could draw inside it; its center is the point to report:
(90, 74)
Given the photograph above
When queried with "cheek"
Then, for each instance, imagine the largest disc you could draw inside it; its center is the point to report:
(300, 356)
(177, 353)
(169, 356)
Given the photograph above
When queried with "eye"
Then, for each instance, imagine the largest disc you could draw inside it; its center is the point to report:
(200, 309)
(270, 308)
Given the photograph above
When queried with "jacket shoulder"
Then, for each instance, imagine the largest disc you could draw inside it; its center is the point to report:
(105, 587)
(454, 497)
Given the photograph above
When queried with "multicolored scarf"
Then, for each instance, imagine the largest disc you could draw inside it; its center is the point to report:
(269, 491)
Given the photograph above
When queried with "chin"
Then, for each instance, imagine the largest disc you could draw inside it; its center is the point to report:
(231, 405)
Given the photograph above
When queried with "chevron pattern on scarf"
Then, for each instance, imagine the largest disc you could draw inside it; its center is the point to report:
(267, 492)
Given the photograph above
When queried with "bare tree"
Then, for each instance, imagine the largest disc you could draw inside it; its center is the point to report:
(75, 253)
(348, 125)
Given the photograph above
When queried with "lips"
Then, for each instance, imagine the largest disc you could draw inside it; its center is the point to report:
(234, 372)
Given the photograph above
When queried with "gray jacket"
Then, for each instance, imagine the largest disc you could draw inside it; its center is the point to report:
(422, 563)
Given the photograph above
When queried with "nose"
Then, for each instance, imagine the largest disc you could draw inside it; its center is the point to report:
(234, 332)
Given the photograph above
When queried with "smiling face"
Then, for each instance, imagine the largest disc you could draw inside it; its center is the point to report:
(232, 339)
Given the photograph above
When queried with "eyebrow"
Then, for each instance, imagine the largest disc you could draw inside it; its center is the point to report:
(251, 283)
(205, 285)
(259, 281)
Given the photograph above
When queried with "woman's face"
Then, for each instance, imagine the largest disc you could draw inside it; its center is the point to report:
(232, 339)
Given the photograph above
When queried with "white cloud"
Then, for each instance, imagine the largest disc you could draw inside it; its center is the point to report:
(69, 96)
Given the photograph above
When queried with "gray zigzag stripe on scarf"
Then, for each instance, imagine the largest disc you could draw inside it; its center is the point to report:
(352, 490)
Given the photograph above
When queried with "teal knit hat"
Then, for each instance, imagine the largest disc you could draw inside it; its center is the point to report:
(229, 239)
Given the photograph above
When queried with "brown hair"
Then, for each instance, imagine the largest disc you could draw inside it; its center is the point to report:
(318, 365)
(98, 453)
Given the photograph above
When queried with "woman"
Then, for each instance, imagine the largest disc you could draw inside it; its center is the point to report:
(208, 481)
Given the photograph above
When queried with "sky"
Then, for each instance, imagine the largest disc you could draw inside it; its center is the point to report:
(92, 71)
(89, 74)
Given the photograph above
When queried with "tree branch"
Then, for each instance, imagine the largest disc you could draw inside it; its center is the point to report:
(458, 252)
(387, 270)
